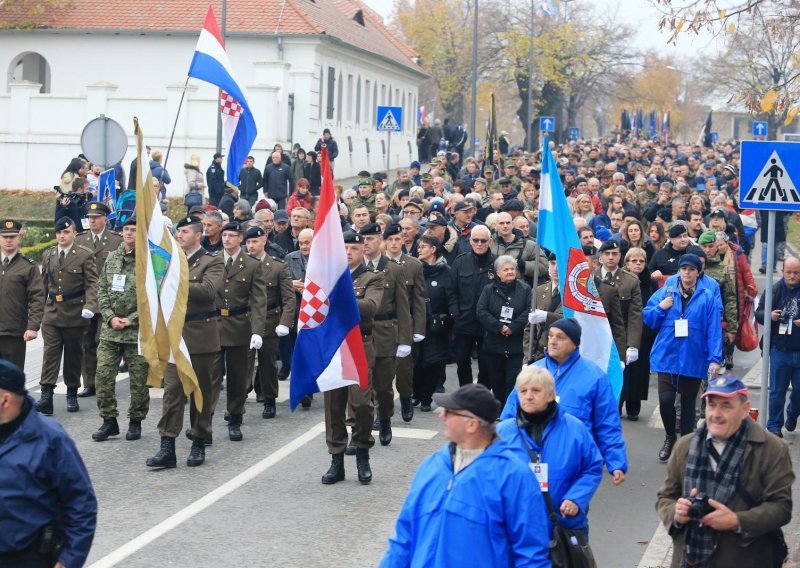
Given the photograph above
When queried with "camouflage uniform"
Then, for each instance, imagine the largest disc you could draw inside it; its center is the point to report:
(717, 270)
(116, 344)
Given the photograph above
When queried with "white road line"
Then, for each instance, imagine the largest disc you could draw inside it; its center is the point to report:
(655, 420)
(659, 552)
(129, 548)
(414, 433)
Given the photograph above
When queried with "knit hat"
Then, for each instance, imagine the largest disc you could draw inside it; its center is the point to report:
(571, 328)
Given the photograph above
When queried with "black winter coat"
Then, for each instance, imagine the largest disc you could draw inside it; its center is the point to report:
(278, 181)
(433, 348)
(496, 296)
(469, 275)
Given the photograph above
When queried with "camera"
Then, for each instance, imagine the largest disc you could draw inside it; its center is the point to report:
(73, 197)
(699, 507)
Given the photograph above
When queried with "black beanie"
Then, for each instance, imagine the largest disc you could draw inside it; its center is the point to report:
(571, 328)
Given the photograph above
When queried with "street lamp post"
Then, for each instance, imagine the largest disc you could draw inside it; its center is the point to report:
(530, 85)
(474, 79)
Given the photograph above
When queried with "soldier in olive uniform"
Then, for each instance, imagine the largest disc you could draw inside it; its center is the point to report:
(119, 337)
(242, 304)
(715, 269)
(280, 316)
(414, 281)
(102, 241)
(391, 332)
(70, 284)
(368, 287)
(607, 290)
(21, 296)
(201, 335)
(548, 311)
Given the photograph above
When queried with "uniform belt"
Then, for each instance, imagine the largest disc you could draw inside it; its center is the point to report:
(201, 315)
(385, 317)
(64, 297)
(228, 312)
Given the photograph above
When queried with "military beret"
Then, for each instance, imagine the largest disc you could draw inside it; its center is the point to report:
(393, 229)
(364, 181)
(233, 226)
(677, 231)
(436, 221)
(513, 205)
(352, 237)
(589, 250)
(191, 220)
(130, 221)
(370, 229)
(12, 379)
(609, 245)
(551, 256)
(97, 208)
(64, 223)
(254, 233)
(665, 213)
(707, 238)
(10, 227)
(463, 206)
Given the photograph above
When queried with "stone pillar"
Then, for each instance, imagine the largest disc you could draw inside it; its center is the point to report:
(304, 125)
(273, 77)
(97, 99)
(15, 164)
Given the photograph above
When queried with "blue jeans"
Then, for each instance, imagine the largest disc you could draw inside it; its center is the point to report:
(784, 368)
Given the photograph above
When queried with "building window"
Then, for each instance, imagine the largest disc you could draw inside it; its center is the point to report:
(30, 66)
(367, 99)
(349, 98)
(405, 111)
(339, 101)
(383, 94)
(331, 91)
(358, 101)
(374, 103)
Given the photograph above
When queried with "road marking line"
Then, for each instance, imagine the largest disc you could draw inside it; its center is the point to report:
(150, 535)
(659, 552)
(414, 433)
(655, 420)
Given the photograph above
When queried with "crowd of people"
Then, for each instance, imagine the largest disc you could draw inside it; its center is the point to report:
(446, 270)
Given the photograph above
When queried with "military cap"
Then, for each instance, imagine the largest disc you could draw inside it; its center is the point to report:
(692, 260)
(436, 221)
(677, 231)
(463, 206)
(488, 169)
(97, 208)
(707, 238)
(281, 216)
(480, 180)
(233, 226)
(426, 177)
(10, 227)
(414, 203)
(254, 233)
(12, 379)
(130, 221)
(64, 223)
(352, 237)
(513, 205)
(437, 207)
(504, 181)
(191, 220)
(609, 245)
(197, 209)
(393, 229)
(370, 229)
(589, 250)
(364, 181)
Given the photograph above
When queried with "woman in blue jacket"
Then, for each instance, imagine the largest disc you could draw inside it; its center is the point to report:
(542, 432)
(688, 347)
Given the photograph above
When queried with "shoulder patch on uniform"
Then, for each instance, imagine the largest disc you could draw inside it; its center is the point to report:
(86, 249)
(215, 253)
(29, 259)
(275, 258)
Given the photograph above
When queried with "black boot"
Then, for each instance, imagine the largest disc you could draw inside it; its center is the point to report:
(305, 402)
(234, 430)
(385, 434)
(284, 373)
(362, 463)
(208, 441)
(45, 404)
(166, 455)
(72, 399)
(134, 430)
(87, 392)
(269, 408)
(351, 448)
(376, 424)
(335, 473)
(227, 416)
(406, 409)
(197, 455)
(666, 449)
(108, 428)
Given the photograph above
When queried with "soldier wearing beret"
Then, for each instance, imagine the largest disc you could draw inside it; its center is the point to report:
(368, 286)
(242, 303)
(548, 311)
(608, 297)
(119, 337)
(201, 335)
(21, 296)
(280, 316)
(102, 241)
(70, 283)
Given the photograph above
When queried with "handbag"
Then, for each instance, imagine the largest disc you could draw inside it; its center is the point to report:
(193, 198)
(747, 336)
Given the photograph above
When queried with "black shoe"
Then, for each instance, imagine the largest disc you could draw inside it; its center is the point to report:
(166, 455)
(305, 402)
(406, 409)
(633, 417)
(385, 435)
(45, 403)
(335, 473)
(414, 401)
(208, 441)
(778, 433)
(234, 430)
(362, 463)
(260, 398)
(762, 269)
(284, 373)
(134, 430)
(439, 390)
(376, 424)
(351, 448)
(108, 428)
(666, 449)
(425, 407)
(197, 455)
(791, 423)
(87, 392)
(72, 400)
(269, 408)
(227, 416)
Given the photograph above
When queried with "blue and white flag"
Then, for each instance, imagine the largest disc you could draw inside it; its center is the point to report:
(107, 192)
(580, 299)
(548, 7)
(211, 64)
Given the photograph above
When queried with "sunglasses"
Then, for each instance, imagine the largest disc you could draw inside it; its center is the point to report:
(454, 413)
(480, 241)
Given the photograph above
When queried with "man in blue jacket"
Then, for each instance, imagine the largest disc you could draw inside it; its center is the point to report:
(472, 503)
(584, 391)
(48, 510)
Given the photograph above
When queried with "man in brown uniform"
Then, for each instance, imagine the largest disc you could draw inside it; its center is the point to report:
(21, 296)
(70, 284)
(548, 311)
(414, 282)
(392, 330)
(368, 287)
(280, 316)
(201, 334)
(102, 241)
(242, 304)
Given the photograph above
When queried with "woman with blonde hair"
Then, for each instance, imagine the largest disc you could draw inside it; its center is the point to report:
(582, 207)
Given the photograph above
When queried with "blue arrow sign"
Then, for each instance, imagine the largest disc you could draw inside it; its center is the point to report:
(714, 137)
(547, 124)
(574, 132)
(390, 119)
(760, 128)
(769, 174)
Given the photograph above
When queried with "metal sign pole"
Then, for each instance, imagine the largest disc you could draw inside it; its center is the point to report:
(388, 149)
(764, 405)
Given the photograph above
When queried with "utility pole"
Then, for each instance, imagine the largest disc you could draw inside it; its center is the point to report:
(473, 116)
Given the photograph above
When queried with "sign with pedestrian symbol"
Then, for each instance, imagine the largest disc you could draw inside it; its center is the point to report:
(390, 119)
(547, 124)
(760, 128)
(574, 132)
(765, 181)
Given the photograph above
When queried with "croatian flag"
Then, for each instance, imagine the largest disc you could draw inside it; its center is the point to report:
(329, 353)
(580, 299)
(211, 64)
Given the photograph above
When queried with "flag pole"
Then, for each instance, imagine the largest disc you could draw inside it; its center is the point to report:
(175, 125)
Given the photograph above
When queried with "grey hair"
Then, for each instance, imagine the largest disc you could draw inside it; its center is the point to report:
(216, 215)
(489, 428)
(244, 206)
(537, 376)
(502, 261)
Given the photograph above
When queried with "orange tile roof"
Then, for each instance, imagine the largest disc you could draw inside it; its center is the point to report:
(334, 18)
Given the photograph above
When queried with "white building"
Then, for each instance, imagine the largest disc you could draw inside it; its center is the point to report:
(306, 64)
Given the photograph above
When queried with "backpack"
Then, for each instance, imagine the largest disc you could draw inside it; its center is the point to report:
(126, 204)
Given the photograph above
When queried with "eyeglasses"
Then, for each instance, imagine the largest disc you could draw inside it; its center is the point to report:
(480, 241)
(447, 412)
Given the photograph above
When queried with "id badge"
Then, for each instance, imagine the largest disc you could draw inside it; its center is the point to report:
(681, 328)
(118, 283)
(506, 314)
(540, 471)
(785, 328)
(85, 224)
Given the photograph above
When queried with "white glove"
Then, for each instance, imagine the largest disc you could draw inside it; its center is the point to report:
(282, 330)
(631, 355)
(418, 337)
(537, 316)
(256, 342)
(87, 314)
(403, 351)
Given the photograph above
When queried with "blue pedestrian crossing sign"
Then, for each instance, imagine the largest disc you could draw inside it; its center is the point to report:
(714, 137)
(760, 128)
(547, 124)
(769, 176)
(390, 119)
(574, 132)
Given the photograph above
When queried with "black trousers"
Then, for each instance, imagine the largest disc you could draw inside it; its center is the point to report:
(463, 345)
(503, 371)
(668, 388)
(426, 379)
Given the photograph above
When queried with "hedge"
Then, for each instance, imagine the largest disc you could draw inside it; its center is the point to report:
(35, 252)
